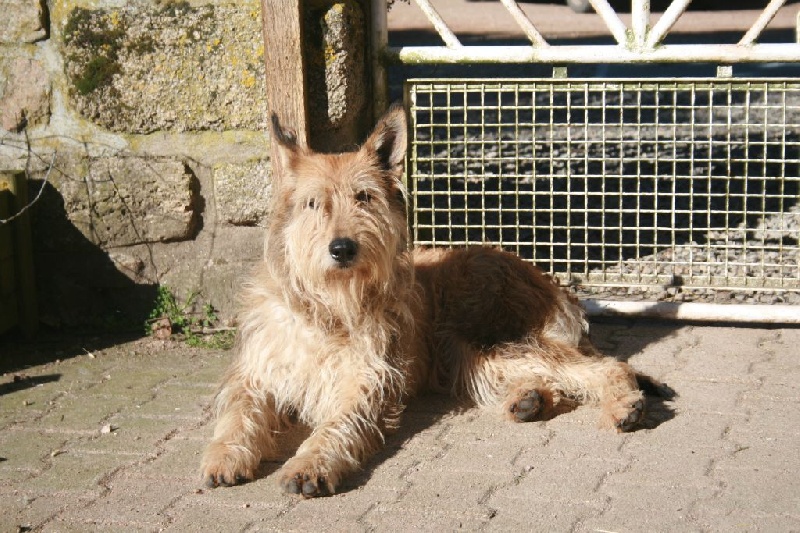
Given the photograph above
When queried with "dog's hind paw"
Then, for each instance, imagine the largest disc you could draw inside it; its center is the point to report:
(624, 413)
(527, 407)
(633, 418)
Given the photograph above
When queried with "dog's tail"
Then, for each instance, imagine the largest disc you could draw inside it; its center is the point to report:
(652, 387)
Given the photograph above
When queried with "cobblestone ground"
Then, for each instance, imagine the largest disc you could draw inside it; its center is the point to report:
(109, 439)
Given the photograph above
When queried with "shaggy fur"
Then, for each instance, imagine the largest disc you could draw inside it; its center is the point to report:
(341, 324)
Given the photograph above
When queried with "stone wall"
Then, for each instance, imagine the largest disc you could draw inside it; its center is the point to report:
(143, 125)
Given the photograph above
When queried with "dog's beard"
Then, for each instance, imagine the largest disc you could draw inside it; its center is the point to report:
(343, 292)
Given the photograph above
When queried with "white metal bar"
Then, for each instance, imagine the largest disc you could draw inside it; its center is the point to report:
(525, 23)
(665, 22)
(702, 312)
(439, 24)
(730, 53)
(761, 23)
(609, 16)
(640, 20)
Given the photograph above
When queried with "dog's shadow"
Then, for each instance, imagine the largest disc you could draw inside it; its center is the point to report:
(422, 413)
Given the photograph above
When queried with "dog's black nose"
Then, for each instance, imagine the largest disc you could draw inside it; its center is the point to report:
(343, 250)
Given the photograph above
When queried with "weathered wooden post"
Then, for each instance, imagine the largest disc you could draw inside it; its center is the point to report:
(281, 21)
(17, 285)
(319, 65)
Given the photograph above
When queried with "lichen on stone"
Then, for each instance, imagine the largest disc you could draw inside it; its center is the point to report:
(97, 42)
(170, 67)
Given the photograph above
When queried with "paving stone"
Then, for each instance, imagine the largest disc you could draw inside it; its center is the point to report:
(254, 500)
(85, 414)
(21, 462)
(631, 508)
(436, 515)
(345, 511)
(216, 519)
(26, 395)
(755, 473)
(176, 459)
(711, 396)
(541, 515)
(721, 457)
(722, 516)
(19, 412)
(553, 480)
(78, 472)
(185, 402)
(25, 510)
(209, 373)
(73, 374)
(131, 501)
(131, 435)
(136, 382)
(94, 526)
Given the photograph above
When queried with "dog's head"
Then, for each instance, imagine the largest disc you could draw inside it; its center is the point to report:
(339, 219)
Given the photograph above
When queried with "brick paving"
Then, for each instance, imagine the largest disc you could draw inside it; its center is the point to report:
(109, 439)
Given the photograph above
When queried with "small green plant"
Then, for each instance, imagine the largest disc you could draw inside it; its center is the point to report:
(169, 318)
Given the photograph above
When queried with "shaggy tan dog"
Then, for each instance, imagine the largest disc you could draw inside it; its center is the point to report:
(341, 324)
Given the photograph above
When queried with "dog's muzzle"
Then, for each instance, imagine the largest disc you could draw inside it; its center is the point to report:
(343, 251)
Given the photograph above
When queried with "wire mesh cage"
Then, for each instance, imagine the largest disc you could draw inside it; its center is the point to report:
(666, 189)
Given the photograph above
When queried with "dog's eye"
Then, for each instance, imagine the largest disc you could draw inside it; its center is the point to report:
(363, 197)
(311, 203)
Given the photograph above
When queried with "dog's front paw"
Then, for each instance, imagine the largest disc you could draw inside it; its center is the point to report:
(304, 476)
(225, 465)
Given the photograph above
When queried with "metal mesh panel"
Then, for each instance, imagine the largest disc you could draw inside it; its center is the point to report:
(687, 188)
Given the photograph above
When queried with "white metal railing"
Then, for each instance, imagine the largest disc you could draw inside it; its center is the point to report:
(639, 43)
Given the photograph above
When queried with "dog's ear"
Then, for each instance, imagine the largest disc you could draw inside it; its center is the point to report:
(284, 146)
(388, 140)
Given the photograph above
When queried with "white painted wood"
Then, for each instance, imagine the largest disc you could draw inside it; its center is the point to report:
(525, 23)
(695, 311)
(766, 16)
(666, 22)
(638, 44)
(640, 22)
(727, 53)
(447, 35)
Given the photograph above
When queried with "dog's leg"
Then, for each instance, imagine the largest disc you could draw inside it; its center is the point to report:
(333, 449)
(506, 377)
(532, 399)
(531, 380)
(244, 433)
(610, 383)
(602, 380)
